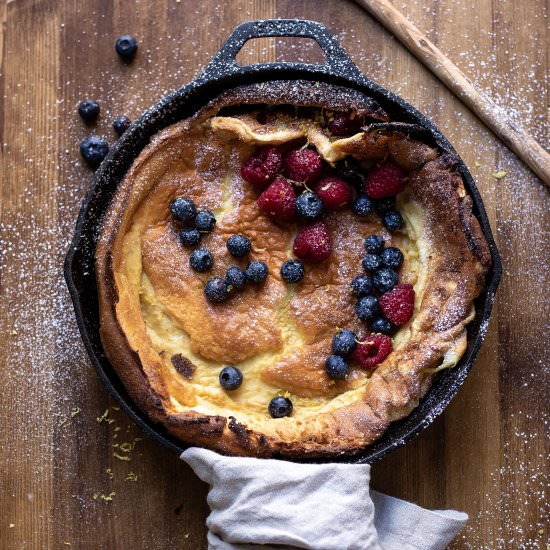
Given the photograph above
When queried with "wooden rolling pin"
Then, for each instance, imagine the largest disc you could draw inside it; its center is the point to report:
(496, 118)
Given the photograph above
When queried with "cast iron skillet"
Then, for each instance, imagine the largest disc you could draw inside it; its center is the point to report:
(222, 73)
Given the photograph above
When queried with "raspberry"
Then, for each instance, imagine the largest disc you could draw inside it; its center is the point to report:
(279, 200)
(313, 243)
(398, 304)
(260, 169)
(374, 349)
(342, 124)
(384, 181)
(303, 165)
(334, 192)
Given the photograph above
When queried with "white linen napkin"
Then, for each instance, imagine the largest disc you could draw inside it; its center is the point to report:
(266, 504)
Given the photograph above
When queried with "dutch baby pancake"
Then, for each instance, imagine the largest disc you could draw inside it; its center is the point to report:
(285, 272)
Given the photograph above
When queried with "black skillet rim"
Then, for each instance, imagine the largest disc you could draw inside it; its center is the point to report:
(223, 73)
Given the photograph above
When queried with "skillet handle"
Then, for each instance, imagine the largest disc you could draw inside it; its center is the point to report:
(337, 61)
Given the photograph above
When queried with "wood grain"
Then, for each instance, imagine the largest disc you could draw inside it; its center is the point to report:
(486, 455)
(496, 118)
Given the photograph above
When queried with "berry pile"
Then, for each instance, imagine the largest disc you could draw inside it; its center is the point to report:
(382, 302)
(296, 186)
(94, 149)
(196, 222)
(375, 193)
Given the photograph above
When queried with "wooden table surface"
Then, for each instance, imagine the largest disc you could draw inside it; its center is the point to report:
(60, 484)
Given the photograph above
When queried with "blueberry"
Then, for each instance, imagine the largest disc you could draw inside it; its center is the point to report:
(362, 205)
(183, 209)
(381, 325)
(280, 406)
(383, 206)
(292, 271)
(374, 244)
(361, 286)
(126, 46)
(205, 220)
(238, 245)
(94, 149)
(230, 378)
(336, 367)
(235, 277)
(201, 260)
(309, 206)
(385, 279)
(216, 290)
(256, 272)
(349, 170)
(392, 257)
(372, 262)
(393, 220)
(344, 342)
(88, 110)
(189, 236)
(367, 308)
(121, 124)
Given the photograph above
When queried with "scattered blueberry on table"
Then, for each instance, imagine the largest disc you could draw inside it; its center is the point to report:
(88, 110)
(121, 124)
(94, 149)
(126, 46)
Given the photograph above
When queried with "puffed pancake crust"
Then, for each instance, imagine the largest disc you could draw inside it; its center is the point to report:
(168, 343)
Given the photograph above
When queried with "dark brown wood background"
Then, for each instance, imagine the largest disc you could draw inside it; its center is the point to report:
(486, 455)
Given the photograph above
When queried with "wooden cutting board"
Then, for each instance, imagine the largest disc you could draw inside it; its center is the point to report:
(74, 476)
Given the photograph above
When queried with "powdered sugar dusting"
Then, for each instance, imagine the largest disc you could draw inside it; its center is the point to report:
(47, 370)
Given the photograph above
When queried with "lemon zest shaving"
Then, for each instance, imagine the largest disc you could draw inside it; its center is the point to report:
(122, 457)
(105, 498)
(105, 418)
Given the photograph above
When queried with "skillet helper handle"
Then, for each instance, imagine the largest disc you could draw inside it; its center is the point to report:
(337, 61)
